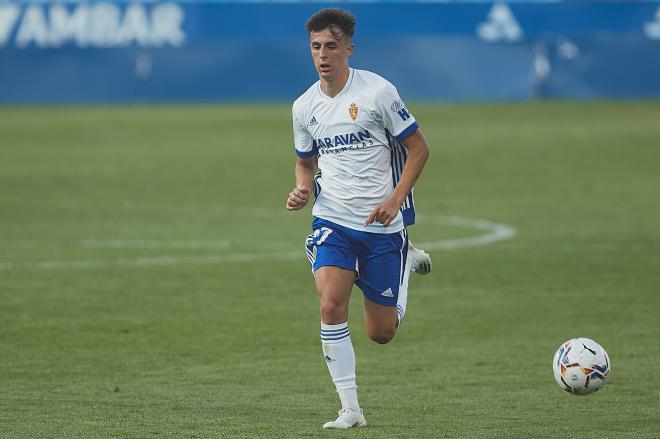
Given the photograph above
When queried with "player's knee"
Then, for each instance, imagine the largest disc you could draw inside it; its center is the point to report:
(333, 311)
(382, 336)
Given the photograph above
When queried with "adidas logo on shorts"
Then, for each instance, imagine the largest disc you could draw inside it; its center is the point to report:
(387, 293)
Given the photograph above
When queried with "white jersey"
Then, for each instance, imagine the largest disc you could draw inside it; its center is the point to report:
(356, 136)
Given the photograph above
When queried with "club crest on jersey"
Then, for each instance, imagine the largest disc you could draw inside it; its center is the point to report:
(353, 111)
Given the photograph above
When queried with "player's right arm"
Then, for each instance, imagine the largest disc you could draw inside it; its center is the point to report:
(307, 160)
(305, 169)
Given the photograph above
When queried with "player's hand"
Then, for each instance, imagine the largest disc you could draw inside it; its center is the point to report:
(384, 213)
(298, 198)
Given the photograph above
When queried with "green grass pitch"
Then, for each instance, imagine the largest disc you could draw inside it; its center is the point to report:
(153, 285)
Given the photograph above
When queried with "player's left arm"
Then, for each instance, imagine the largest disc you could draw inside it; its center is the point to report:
(418, 154)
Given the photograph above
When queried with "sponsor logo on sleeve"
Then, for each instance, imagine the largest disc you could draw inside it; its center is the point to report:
(400, 109)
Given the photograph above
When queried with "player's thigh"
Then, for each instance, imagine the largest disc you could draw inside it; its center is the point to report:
(334, 262)
(334, 285)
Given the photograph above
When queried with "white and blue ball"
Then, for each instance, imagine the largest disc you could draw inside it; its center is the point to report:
(581, 366)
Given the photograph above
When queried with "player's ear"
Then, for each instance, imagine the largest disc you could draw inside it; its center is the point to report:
(349, 48)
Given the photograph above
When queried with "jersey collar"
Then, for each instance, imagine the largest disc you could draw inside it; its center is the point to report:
(343, 91)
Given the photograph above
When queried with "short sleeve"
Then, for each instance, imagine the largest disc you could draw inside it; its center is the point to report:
(302, 140)
(397, 119)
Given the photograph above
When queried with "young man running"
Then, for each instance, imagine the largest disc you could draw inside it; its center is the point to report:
(350, 126)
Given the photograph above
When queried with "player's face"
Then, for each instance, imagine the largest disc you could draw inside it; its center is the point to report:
(330, 55)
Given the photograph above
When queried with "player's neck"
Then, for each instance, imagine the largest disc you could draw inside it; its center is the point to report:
(334, 86)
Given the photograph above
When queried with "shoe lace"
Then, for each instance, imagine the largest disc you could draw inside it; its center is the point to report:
(347, 411)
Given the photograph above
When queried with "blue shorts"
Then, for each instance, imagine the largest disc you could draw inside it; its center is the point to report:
(379, 259)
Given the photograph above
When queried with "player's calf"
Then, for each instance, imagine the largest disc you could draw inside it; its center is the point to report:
(380, 321)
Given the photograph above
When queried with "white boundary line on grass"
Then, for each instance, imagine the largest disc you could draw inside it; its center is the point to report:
(152, 244)
(494, 232)
(148, 261)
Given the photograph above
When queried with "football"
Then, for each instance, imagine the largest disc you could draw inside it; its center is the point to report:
(581, 366)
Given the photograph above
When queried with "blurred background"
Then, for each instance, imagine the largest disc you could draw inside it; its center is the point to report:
(190, 50)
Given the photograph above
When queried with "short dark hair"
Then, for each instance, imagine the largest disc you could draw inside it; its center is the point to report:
(335, 20)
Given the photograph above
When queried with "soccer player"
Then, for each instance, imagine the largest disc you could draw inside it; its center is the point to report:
(349, 125)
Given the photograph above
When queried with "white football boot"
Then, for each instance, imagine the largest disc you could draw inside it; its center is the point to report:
(347, 418)
(420, 261)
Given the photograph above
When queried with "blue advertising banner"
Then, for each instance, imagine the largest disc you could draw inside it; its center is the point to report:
(205, 51)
